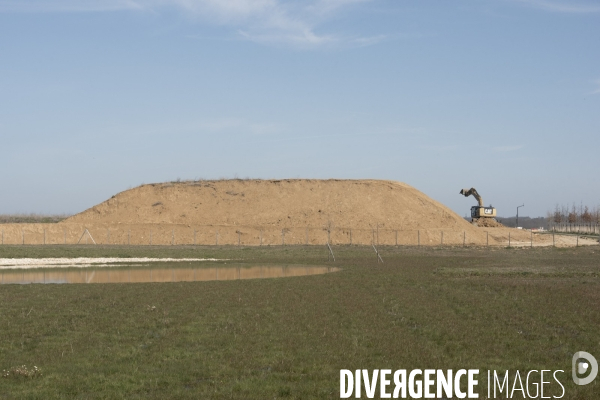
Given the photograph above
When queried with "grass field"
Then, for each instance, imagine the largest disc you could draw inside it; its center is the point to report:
(498, 309)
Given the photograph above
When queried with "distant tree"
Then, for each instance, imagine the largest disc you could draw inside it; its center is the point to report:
(586, 216)
(557, 215)
(572, 217)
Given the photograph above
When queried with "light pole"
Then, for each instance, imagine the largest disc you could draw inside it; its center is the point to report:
(522, 205)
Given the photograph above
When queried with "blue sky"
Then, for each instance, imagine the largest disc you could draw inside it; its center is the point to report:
(97, 96)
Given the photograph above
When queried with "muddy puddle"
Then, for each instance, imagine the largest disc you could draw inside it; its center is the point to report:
(157, 274)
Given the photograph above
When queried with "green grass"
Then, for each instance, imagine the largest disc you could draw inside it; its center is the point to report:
(288, 338)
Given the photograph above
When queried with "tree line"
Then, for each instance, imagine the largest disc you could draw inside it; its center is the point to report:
(574, 214)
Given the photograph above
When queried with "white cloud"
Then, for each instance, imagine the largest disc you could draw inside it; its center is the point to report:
(573, 7)
(264, 21)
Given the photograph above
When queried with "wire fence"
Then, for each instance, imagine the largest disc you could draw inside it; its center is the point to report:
(148, 234)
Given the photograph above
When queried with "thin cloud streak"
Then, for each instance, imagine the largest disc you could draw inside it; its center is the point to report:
(261, 21)
(563, 6)
(59, 6)
(508, 148)
(597, 83)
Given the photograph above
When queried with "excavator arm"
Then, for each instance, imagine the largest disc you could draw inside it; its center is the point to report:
(472, 191)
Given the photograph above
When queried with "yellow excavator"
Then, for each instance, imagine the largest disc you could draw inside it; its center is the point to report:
(479, 211)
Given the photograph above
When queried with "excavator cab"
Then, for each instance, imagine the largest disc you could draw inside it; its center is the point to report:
(483, 212)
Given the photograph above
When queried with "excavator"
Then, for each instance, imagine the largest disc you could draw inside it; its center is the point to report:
(479, 211)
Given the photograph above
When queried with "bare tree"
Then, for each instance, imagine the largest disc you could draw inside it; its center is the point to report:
(557, 216)
(572, 217)
(586, 216)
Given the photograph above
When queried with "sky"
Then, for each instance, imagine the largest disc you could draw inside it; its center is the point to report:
(98, 96)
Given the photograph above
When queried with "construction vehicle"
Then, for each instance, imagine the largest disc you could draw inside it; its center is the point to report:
(479, 211)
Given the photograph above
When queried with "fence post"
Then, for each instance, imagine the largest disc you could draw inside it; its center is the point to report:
(508, 239)
(350, 236)
(194, 237)
(531, 239)
(306, 235)
(44, 236)
(377, 234)
(150, 238)
(487, 238)
(128, 237)
(238, 238)
(217, 237)
(553, 243)
(172, 237)
(418, 238)
(442, 239)
(373, 236)
(577, 245)
(22, 237)
(464, 238)
(261, 237)
(396, 238)
(65, 232)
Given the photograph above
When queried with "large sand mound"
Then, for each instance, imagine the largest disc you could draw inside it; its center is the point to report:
(359, 204)
(254, 212)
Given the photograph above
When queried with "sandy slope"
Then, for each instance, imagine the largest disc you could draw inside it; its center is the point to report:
(360, 204)
(252, 212)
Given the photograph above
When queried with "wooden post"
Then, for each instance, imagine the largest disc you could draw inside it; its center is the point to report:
(239, 237)
(306, 235)
(378, 235)
(487, 238)
(531, 240)
(396, 238)
(128, 237)
(508, 239)
(419, 238)
(172, 237)
(577, 245)
(328, 235)
(44, 236)
(261, 237)
(350, 236)
(373, 236)
(22, 236)
(150, 238)
(553, 243)
(217, 238)
(65, 232)
(464, 238)
(442, 240)
(194, 237)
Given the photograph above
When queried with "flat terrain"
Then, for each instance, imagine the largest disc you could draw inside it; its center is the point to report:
(502, 309)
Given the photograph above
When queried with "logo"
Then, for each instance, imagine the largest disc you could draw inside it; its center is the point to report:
(582, 363)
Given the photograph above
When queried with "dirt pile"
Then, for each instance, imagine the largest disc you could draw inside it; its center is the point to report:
(274, 212)
(488, 223)
(360, 204)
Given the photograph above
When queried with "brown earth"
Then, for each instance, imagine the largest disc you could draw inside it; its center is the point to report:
(359, 204)
(252, 212)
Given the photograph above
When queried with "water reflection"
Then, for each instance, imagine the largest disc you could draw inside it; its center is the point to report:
(136, 275)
